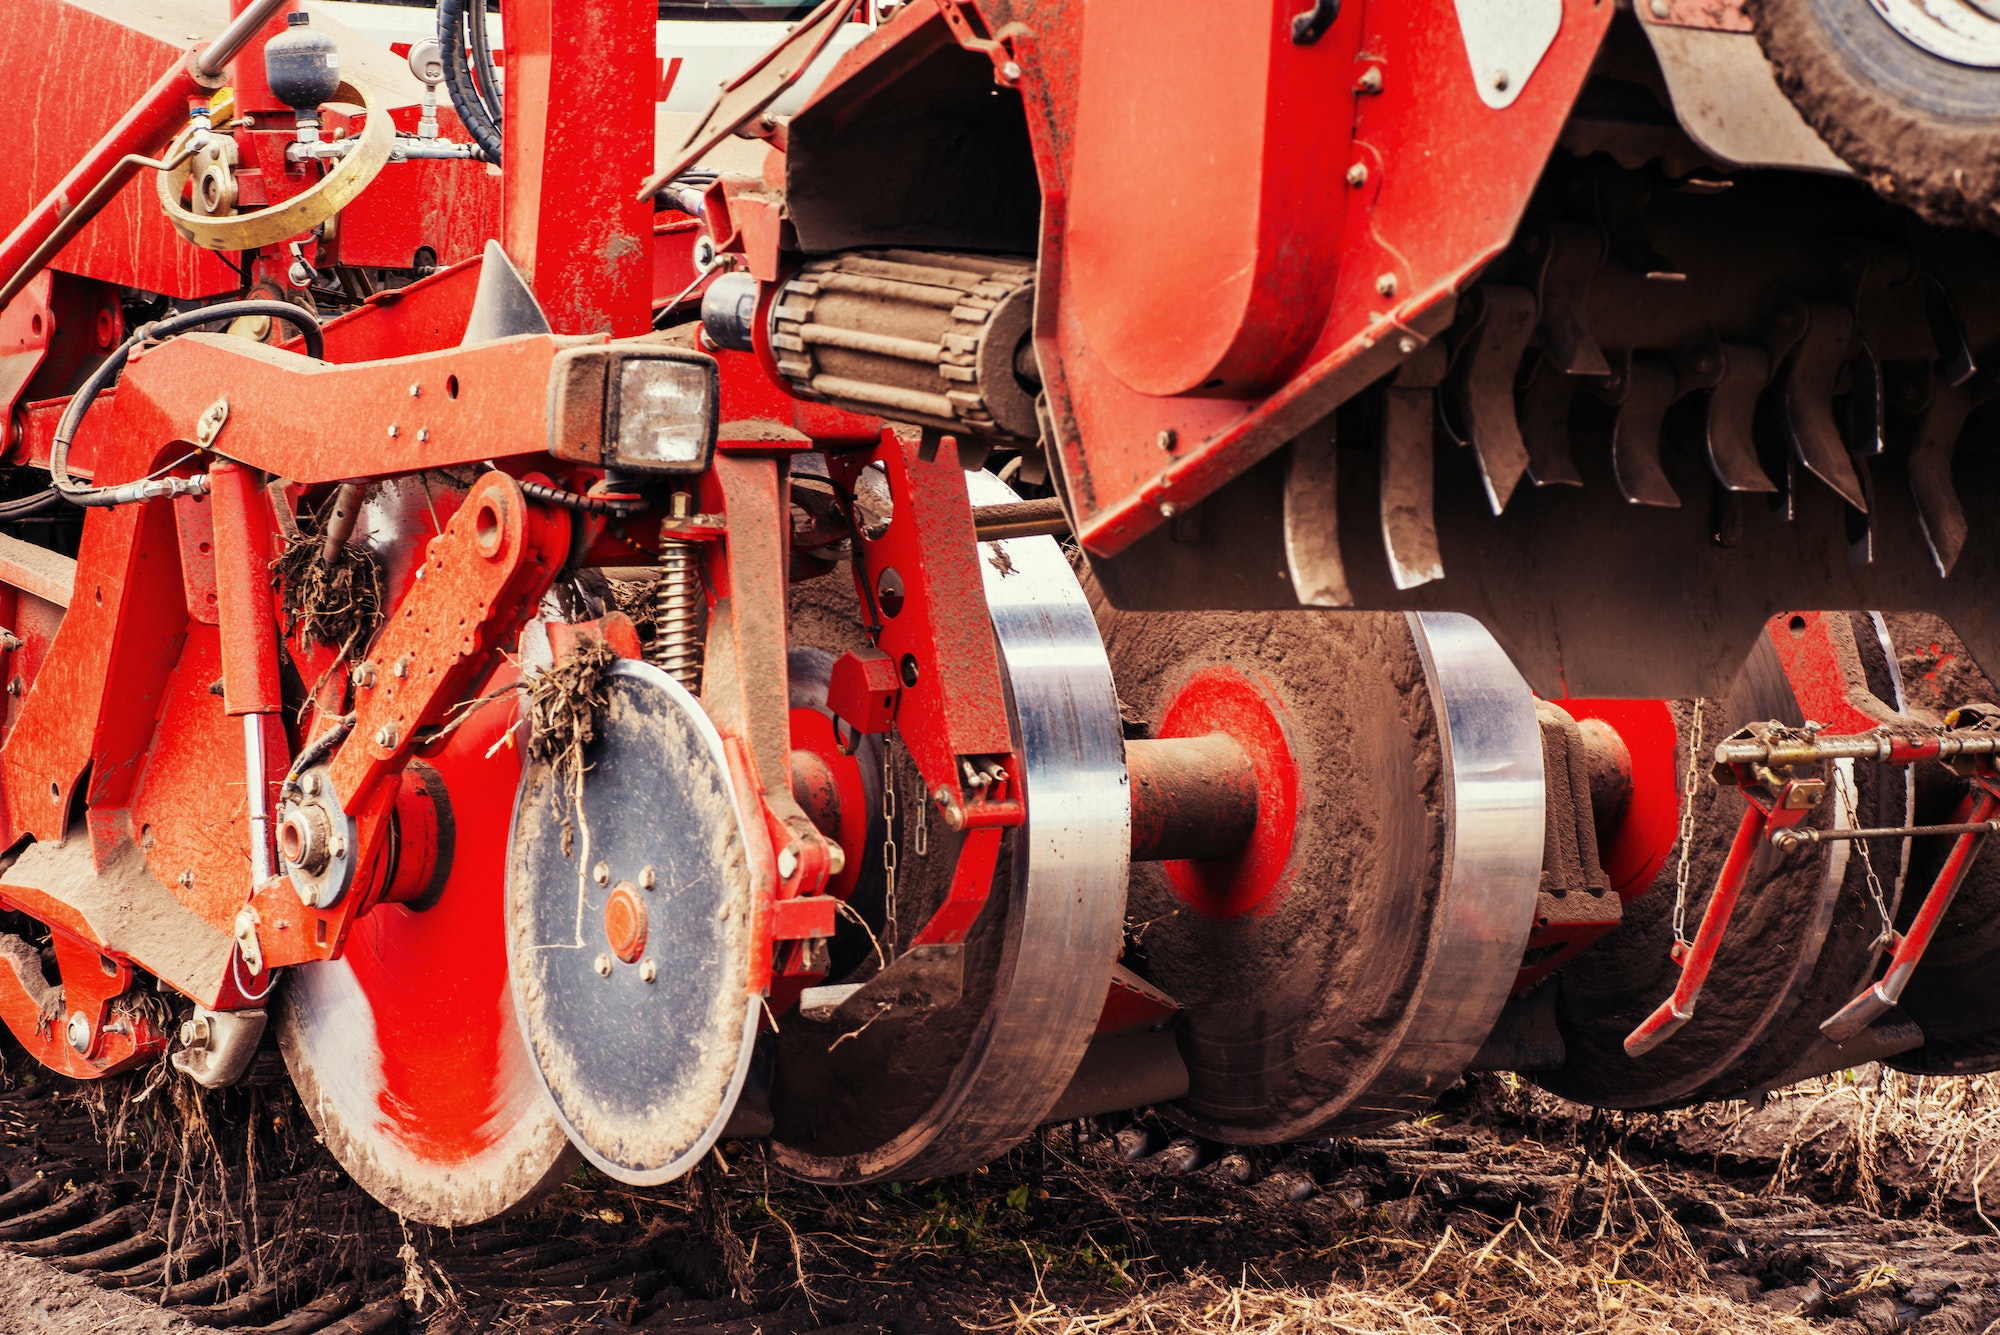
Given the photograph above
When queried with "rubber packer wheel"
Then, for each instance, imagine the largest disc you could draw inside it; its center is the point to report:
(1802, 941)
(1918, 126)
(1345, 978)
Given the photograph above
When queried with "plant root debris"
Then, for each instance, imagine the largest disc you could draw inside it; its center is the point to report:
(1853, 1204)
(334, 604)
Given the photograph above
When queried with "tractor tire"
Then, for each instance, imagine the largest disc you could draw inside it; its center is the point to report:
(1917, 116)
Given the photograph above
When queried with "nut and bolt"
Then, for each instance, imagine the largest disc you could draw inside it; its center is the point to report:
(603, 966)
(402, 667)
(1370, 80)
(648, 971)
(1357, 175)
(79, 1031)
(337, 846)
(1010, 73)
(1662, 9)
(1168, 509)
(1386, 284)
(601, 873)
(648, 878)
(1169, 438)
(416, 390)
(385, 736)
(788, 862)
(1500, 79)
(364, 675)
(394, 431)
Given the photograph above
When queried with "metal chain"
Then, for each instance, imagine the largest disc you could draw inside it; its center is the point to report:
(889, 838)
(1687, 832)
(920, 828)
(1843, 775)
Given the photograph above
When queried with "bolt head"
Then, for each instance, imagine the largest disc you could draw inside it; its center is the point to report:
(1386, 284)
(601, 873)
(1169, 438)
(309, 785)
(79, 1031)
(337, 846)
(416, 390)
(1168, 509)
(836, 860)
(394, 431)
(603, 966)
(385, 736)
(1662, 9)
(1371, 80)
(648, 878)
(1500, 79)
(788, 863)
(1406, 346)
(648, 971)
(1357, 175)
(1011, 72)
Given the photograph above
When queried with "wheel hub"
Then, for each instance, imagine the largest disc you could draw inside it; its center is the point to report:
(1965, 32)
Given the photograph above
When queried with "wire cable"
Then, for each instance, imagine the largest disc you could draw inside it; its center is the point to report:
(146, 488)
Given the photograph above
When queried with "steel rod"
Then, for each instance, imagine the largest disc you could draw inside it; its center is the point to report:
(1866, 746)
(1791, 838)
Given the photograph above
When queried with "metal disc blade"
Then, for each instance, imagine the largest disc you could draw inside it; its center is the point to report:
(405, 1051)
(630, 926)
(1343, 969)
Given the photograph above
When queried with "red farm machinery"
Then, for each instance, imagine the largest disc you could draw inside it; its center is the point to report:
(1018, 559)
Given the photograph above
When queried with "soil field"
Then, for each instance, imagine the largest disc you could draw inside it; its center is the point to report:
(1854, 1204)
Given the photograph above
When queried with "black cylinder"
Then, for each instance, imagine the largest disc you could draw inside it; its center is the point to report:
(729, 312)
(302, 66)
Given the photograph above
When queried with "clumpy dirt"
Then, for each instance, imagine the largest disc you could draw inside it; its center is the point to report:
(38, 1300)
(1292, 1009)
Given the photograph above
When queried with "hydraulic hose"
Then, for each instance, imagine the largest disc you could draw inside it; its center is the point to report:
(147, 488)
(481, 124)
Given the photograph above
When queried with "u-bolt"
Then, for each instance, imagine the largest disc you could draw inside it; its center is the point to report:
(677, 647)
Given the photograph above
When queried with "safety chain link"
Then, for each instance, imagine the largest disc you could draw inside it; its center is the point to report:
(889, 838)
(1688, 786)
(1843, 775)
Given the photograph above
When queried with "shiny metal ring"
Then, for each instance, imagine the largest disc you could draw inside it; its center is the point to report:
(1066, 905)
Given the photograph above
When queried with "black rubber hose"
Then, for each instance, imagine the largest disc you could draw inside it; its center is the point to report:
(594, 505)
(482, 55)
(483, 128)
(108, 370)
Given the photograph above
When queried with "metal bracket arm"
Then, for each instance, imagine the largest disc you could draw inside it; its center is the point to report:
(481, 580)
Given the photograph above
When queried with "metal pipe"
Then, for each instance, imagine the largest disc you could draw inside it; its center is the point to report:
(1020, 519)
(110, 163)
(1192, 797)
(257, 798)
(1794, 836)
(215, 58)
(1882, 746)
(340, 520)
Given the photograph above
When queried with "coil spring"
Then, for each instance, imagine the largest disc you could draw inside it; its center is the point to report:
(677, 646)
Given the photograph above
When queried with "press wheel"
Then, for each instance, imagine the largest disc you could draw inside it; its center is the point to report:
(925, 1091)
(1344, 969)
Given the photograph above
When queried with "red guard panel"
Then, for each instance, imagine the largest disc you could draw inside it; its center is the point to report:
(1207, 192)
